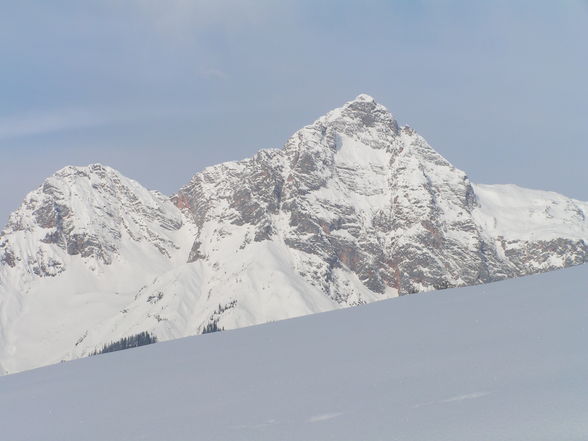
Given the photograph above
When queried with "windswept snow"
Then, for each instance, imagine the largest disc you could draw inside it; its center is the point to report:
(503, 362)
(519, 213)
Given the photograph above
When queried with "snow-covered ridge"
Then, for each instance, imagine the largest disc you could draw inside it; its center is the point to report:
(353, 209)
(547, 215)
(90, 212)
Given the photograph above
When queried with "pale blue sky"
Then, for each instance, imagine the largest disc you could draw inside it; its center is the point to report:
(160, 89)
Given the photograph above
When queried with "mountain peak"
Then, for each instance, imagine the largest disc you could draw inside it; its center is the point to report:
(362, 118)
(363, 104)
(81, 170)
(364, 97)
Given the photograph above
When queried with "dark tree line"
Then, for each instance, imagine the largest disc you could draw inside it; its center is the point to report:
(211, 327)
(141, 339)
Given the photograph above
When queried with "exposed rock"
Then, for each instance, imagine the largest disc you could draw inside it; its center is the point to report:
(353, 209)
(359, 192)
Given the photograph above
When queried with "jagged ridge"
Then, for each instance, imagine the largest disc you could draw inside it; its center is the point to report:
(354, 208)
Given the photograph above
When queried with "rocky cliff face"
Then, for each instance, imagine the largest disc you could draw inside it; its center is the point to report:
(354, 208)
(86, 212)
(356, 191)
(71, 256)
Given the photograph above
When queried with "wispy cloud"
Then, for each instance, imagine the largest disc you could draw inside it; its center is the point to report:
(29, 124)
(176, 15)
(214, 73)
(37, 123)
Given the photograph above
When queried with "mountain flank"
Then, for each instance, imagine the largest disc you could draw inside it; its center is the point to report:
(354, 208)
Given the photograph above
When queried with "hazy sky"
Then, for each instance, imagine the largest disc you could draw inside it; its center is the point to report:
(160, 89)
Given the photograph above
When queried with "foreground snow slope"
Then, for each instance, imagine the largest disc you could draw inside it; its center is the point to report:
(503, 361)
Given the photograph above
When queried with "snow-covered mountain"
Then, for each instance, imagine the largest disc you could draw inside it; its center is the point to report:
(353, 209)
(72, 257)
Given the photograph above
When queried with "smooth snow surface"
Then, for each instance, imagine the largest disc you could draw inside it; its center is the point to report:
(498, 362)
(547, 215)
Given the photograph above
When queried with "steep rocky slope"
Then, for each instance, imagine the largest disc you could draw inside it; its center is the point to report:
(353, 209)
